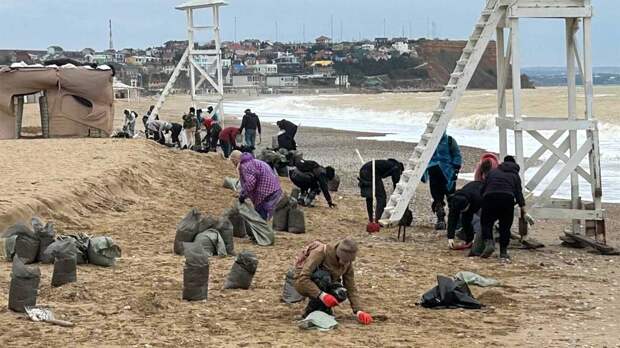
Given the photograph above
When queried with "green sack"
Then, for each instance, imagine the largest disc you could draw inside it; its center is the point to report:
(102, 251)
(257, 229)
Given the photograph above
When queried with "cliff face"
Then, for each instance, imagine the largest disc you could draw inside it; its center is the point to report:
(441, 57)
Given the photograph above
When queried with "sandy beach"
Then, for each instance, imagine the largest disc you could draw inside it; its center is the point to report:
(136, 191)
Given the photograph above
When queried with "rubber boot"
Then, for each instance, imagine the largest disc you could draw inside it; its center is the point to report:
(489, 248)
(503, 253)
(440, 225)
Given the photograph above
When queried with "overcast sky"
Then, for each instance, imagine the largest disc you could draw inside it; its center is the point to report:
(76, 24)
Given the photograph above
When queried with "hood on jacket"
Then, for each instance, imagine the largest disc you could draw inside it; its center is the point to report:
(246, 156)
(509, 167)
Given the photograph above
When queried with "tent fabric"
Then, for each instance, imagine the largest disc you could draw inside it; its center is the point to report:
(67, 115)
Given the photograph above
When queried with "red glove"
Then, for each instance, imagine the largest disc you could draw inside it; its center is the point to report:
(364, 318)
(329, 300)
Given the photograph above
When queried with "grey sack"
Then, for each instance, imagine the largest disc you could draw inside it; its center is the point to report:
(242, 271)
(195, 273)
(24, 285)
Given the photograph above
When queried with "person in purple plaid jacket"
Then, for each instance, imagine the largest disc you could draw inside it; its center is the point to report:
(258, 183)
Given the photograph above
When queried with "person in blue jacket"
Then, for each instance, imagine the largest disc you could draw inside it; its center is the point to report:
(441, 174)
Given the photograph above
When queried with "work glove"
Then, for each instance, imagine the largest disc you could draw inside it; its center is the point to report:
(332, 205)
(451, 244)
(328, 300)
(364, 318)
(241, 199)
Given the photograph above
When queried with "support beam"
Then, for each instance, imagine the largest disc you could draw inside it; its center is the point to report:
(501, 91)
(533, 159)
(560, 154)
(516, 92)
(546, 168)
(190, 47)
(19, 115)
(572, 109)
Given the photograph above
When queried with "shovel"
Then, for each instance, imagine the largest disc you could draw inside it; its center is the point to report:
(45, 315)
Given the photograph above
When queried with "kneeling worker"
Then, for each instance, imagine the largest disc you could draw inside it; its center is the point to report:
(383, 169)
(337, 259)
(312, 178)
(463, 205)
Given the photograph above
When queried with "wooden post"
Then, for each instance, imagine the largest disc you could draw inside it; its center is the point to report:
(45, 115)
(190, 46)
(374, 198)
(220, 77)
(571, 79)
(19, 116)
(501, 92)
(516, 93)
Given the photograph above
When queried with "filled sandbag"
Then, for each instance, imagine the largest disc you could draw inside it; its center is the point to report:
(282, 170)
(225, 227)
(242, 271)
(334, 184)
(65, 265)
(257, 229)
(7, 248)
(239, 228)
(45, 234)
(187, 229)
(195, 273)
(24, 285)
(232, 184)
(81, 242)
(102, 251)
(289, 293)
(296, 221)
(211, 242)
(280, 214)
(26, 244)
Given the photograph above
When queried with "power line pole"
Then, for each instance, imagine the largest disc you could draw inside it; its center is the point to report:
(410, 29)
(235, 39)
(384, 27)
(276, 31)
(332, 27)
(341, 30)
(111, 42)
(303, 31)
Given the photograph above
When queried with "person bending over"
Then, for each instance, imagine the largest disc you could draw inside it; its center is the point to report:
(286, 137)
(441, 174)
(157, 128)
(312, 178)
(383, 169)
(467, 201)
(337, 260)
(228, 140)
(501, 190)
(258, 183)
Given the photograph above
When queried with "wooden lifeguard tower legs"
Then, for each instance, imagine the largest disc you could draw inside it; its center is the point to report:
(564, 129)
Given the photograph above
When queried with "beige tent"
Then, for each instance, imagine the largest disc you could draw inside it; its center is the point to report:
(76, 102)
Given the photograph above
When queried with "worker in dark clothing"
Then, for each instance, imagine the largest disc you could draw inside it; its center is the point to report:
(466, 202)
(228, 140)
(312, 178)
(441, 174)
(286, 136)
(463, 205)
(176, 131)
(383, 169)
(250, 124)
(501, 190)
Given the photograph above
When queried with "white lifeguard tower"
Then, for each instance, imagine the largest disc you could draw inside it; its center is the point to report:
(498, 17)
(207, 62)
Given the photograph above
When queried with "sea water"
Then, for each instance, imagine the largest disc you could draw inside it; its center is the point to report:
(400, 124)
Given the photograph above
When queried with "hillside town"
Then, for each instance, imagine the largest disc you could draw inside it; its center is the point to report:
(254, 66)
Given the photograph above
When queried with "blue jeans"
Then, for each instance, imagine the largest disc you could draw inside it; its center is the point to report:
(226, 148)
(250, 137)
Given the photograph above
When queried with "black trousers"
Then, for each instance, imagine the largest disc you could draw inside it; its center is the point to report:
(437, 182)
(497, 206)
(380, 195)
(306, 182)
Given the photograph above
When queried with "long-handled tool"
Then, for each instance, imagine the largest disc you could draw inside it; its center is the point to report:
(45, 315)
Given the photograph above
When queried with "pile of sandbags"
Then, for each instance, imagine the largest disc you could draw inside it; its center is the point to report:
(245, 219)
(280, 160)
(287, 216)
(38, 244)
(215, 236)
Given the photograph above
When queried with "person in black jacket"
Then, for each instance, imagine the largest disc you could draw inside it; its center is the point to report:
(286, 137)
(312, 178)
(501, 190)
(464, 204)
(250, 124)
(383, 169)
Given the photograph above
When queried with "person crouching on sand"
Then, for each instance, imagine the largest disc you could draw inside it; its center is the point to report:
(258, 183)
(336, 260)
(383, 169)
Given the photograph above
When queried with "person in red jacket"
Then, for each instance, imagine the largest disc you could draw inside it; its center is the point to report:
(228, 139)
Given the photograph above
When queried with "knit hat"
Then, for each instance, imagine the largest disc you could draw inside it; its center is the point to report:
(346, 251)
